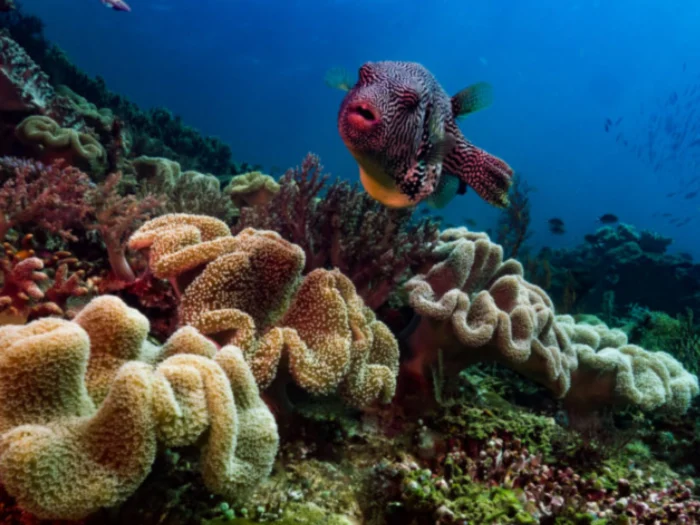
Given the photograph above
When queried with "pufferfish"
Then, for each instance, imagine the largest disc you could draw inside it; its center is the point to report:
(400, 125)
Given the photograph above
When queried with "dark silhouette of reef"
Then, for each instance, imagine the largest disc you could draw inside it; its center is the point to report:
(616, 268)
(155, 132)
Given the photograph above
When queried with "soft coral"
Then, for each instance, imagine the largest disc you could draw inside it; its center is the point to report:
(338, 225)
(51, 197)
(115, 217)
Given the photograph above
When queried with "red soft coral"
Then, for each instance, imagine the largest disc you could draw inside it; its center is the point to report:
(115, 217)
(51, 198)
(344, 228)
(31, 290)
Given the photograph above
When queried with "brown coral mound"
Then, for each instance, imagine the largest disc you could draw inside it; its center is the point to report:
(249, 290)
(473, 307)
(65, 453)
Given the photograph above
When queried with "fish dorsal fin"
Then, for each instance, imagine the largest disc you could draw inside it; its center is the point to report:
(338, 78)
(473, 98)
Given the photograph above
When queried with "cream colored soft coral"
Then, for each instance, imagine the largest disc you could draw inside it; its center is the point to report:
(46, 134)
(42, 366)
(117, 335)
(476, 307)
(249, 290)
(63, 458)
(252, 189)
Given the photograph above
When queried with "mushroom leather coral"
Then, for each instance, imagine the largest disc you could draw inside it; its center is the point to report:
(249, 290)
(45, 133)
(473, 307)
(65, 454)
(252, 189)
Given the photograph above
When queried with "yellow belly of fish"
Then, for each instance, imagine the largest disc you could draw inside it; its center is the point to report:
(380, 186)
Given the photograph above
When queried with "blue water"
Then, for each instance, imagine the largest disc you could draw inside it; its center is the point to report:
(251, 72)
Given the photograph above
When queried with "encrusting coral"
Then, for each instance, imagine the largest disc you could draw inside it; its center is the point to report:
(249, 290)
(474, 307)
(82, 411)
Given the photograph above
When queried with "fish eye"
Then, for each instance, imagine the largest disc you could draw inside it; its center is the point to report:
(408, 98)
(366, 73)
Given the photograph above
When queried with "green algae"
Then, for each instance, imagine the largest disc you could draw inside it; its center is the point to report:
(294, 514)
(480, 423)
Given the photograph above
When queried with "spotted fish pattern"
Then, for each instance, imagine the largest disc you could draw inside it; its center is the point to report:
(400, 125)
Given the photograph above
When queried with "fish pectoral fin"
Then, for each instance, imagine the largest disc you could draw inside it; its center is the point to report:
(338, 78)
(489, 176)
(440, 150)
(447, 189)
(473, 98)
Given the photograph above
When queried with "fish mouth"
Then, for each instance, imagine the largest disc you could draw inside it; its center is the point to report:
(362, 115)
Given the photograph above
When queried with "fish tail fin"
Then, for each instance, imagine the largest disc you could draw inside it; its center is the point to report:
(489, 176)
(338, 78)
(447, 189)
(472, 98)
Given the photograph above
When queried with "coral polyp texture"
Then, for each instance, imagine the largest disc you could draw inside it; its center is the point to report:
(84, 405)
(249, 290)
(473, 307)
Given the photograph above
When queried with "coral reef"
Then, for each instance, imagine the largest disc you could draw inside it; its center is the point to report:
(241, 370)
(115, 217)
(248, 290)
(34, 287)
(25, 88)
(609, 267)
(343, 228)
(57, 199)
(82, 411)
(502, 482)
(51, 198)
(156, 132)
(252, 189)
(185, 192)
(474, 307)
(50, 141)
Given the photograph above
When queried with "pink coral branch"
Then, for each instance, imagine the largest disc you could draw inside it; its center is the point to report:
(344, 229)
(48, 197)
(20, 283)
(66, 286)
(116, 217)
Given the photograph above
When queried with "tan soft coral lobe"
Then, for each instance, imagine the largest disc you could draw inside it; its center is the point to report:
(476, 307)
(252, 189)
(63, 456)
(249, 290)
